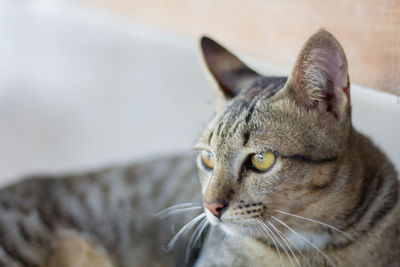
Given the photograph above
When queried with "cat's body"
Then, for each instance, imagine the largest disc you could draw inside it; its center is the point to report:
(109, 208)
(285, 180)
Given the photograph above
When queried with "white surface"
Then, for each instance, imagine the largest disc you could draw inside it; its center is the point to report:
(80, 90)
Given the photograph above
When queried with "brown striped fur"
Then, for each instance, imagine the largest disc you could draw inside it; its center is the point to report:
(98, 218)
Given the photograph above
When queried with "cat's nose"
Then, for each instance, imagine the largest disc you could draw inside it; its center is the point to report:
(216, 207)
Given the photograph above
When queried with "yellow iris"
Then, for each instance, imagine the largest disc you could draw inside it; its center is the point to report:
(263, 161)
(208, 159)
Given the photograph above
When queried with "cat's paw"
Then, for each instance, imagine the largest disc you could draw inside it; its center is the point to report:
(76, 251)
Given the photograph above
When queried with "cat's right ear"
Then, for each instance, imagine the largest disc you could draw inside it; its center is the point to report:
(230, 73)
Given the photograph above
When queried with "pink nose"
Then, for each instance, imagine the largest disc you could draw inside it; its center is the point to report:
(216, 207)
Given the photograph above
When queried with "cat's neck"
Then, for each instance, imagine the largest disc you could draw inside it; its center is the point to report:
(377, 186)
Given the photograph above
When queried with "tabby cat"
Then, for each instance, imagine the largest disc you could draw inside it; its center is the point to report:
(285, 180)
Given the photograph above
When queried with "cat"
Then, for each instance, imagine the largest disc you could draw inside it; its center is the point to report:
(286, 176)
(285, 180)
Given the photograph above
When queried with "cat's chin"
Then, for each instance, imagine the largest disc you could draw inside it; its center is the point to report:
(234, 229)
(231, 229)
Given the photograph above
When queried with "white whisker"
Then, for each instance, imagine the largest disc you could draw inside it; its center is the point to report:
(258, 229)
(192, 238)
(200, 232)
(293, 243)
(223, 238)
(177, 206)
(184, 229)
(194, 234)
(266, 230)
(280, 244)
(212, 230)
(172, 212)
(318, 222)
(284, 240)
(305, 240)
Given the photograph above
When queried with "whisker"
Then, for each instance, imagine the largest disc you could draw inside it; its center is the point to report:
(201, 232)
(300, 236)
(177, 206)
(272, 238)
(259, 230)
(184, 229)
(318, 222)
(284, 240)
(294, 244)
(224, 238)
(172, 212)
(251, 232)
(241, 233)
(212, 230)
(195, 114)
(195, 232)
(280, 244)
(191, 240)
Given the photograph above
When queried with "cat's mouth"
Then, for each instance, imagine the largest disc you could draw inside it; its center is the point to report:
(253, 228)
(212, 218)
(243, 226)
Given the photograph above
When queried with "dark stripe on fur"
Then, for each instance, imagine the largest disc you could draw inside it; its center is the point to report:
(209, 138)
(246, 137)
(361, 209)
(5, 204)
(11, 250)
(302, 158)
(24, 232)
(390, 200)
(250, 113)
(369, 192)
(46, 217)
(219, 128)
(235, 127)
(245, 102)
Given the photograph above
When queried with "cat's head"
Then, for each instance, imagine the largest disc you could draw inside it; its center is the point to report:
(276, 145)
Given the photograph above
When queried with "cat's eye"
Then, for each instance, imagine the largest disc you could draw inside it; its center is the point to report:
(207, 158)
(263, 161)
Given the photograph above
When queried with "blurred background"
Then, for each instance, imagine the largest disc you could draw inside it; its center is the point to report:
(86, 84)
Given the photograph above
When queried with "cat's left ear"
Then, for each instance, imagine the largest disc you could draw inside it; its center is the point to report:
(230, 73)
(319, 79)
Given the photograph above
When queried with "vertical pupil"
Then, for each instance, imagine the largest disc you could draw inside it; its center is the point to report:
(260, 158)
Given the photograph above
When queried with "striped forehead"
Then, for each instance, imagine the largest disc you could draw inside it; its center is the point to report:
(238, 114)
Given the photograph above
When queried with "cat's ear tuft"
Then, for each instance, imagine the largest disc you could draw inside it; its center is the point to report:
(319, 78)
(230, 73)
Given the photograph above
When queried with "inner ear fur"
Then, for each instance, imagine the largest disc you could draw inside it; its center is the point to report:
(230, 73)
(319, 78)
